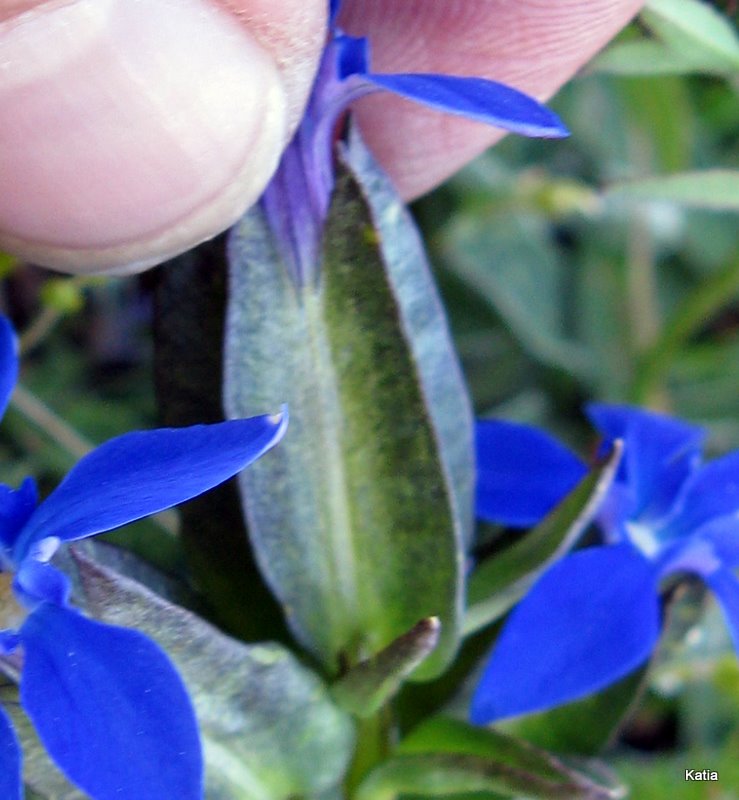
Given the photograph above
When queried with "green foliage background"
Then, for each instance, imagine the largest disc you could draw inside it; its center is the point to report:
(562, 290)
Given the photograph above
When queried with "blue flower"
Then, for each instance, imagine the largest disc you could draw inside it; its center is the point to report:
(296, 202)
(595, 615)
(106, 702)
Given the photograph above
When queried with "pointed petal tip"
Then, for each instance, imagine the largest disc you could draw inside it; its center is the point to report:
(558, 130)
(550, 126)
(281, 419)
(144, 472)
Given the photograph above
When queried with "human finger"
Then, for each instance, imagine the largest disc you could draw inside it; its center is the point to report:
(133, 130)
(534, 45)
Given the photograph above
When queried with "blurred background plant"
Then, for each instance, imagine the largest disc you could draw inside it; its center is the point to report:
(605, 266)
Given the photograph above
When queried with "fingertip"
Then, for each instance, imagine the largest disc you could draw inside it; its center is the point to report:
(531, 45)
(132, 131)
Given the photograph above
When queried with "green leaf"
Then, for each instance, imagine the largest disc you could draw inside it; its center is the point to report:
(368, 686)
(704, 382)
(446, 756)
(658, 112)
(358, 518)
(649, 57)
(695, 28)
(269, 728)
(716, 189)
(697, 308)
(507, 259)
(586, 726)
(421, 316)
(502, 580)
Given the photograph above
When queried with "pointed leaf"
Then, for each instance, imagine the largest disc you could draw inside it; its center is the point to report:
(424, 322)
(650, 57)
(358, 519)
(268, 725)
(443, 734)
(714, 189)
(369, 685)
(445, 775)
(502, 580)
(445, 757)
(694, 27)
(585, 727)
(140, 473)
(109, 708)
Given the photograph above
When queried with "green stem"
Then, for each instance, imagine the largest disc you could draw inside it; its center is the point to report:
(690, 317)
(643, 307)
(374, 744)
(39, 329)
(641, 287)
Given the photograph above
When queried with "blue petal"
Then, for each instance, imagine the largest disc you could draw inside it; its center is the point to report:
(140, 473)
(9, 642)
(475, 98)
(521, 472)
(723, 535)
(614, 512)
(38, 581)
(352, 55)
(8, 362)
(11, 785)
(109, 708)
(660, 454)
(726, 589)
(587, 622)
(712, 493)
(16, 507)
(333, 9)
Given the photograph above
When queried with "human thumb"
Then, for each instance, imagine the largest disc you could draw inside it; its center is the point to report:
(134, 129)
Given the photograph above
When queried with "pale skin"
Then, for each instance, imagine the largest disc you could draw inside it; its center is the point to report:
(133, 129)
